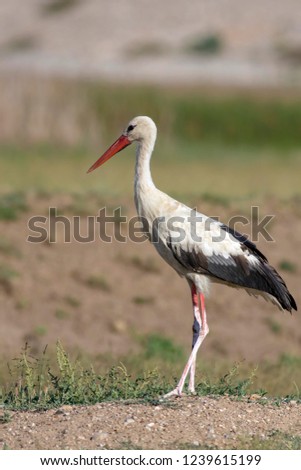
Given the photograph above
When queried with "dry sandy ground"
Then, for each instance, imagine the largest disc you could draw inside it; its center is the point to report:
(139, 40)
(190, 422)
(52, 296)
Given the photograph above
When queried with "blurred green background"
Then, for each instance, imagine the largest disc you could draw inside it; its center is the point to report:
(230, 135)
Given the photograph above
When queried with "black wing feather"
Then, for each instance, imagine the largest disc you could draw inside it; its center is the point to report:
(245, 241)
(236, 270)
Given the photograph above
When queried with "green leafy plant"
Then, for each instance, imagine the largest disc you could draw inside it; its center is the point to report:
(36, 384)
(229, 384)
(5, 417)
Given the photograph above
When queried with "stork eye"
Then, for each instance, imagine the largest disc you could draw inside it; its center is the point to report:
(130, 128)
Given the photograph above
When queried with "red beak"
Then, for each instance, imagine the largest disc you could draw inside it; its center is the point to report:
(120, 144)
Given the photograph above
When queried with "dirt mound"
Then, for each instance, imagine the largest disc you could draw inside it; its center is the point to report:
(188, 422)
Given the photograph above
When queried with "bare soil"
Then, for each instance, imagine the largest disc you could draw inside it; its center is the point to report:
(190, 423)
(86, 294)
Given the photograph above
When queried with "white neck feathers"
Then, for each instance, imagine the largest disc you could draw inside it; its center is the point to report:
(143, 177)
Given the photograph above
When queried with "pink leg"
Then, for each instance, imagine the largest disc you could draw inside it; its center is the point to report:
(197, 325)
(200, 316)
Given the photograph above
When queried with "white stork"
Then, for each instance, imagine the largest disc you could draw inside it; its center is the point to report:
(199, 248)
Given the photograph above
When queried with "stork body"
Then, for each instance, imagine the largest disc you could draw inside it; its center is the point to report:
(199, 248)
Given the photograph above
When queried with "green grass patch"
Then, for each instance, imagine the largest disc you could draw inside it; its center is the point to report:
(147, 265)
(40, 330)
(61, 314)
(206, 45)
(97, 281)
(157, 346)
(51, 7)
(273, 325)
(229, 384)
(275, 440)
(215, 199)
(47, 382)
(290, 361)
(5, 417)
(238, 121)
(19, 44)
(72, 301)
(288, 266)
(11, 205)
(226, 141)
(36, 386)
(194, 115)
(140, 300)
(232, 171)
(7, 274)
(280, 378)
(22, 304)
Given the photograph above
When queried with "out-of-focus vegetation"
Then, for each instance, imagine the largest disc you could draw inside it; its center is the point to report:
(11, 205)
(208, 44)
(57, 6)
(83, 113)
(237, 144)
(187, 115)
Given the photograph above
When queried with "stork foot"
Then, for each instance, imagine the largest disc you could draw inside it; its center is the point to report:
(174, 393)
(177, 393)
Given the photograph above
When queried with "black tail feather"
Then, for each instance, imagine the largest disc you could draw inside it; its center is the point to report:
(275, 285)
(268, 280)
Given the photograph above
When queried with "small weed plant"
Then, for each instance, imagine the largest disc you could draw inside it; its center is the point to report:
(35, 384)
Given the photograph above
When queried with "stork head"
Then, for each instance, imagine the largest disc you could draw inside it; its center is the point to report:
(141, 129)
